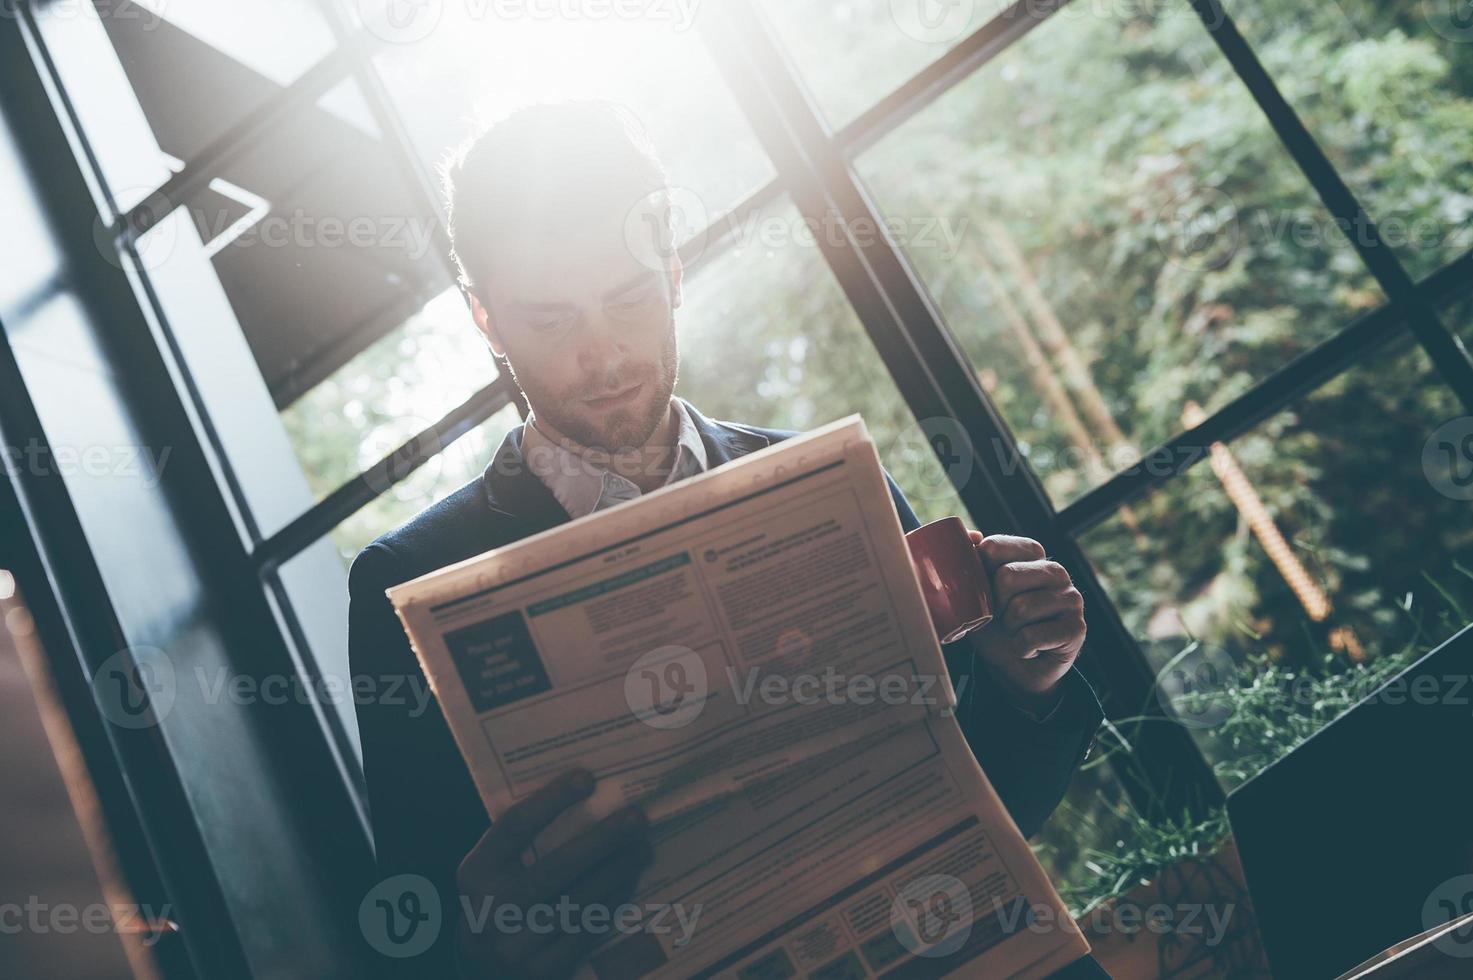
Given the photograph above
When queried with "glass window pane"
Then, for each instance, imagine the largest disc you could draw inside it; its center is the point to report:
(853, 53)
(330, 267)
(768, 338)
(1093, 816)
(394, 390)
(1113, 242)
(1458, 317)
(316, 581)
(122, 62)
(468, 71)
(1387, 89)
(460, 462)
(1337, 533)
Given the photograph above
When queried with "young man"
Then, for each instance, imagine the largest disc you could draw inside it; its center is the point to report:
(582, 312)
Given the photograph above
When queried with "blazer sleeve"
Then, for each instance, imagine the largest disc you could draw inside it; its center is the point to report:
(423, 806)
(1029, 760)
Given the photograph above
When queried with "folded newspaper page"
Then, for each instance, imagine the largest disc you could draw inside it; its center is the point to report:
(747, 655)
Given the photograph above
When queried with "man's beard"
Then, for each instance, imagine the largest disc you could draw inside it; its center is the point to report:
(623, 428)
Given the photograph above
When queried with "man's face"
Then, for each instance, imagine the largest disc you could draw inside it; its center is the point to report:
(588, 328)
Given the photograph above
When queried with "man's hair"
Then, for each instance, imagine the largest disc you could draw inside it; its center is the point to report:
(550, 164)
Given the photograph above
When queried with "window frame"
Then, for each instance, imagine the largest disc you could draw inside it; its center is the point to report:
(814, 166)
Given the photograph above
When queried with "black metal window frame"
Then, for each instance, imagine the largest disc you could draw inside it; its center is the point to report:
(814, 168)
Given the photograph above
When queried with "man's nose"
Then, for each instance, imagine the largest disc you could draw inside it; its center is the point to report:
(604, 343)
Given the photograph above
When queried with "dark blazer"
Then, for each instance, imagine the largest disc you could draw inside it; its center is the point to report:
(423, 806)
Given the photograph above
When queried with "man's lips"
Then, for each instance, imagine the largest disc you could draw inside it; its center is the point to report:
(615, 400)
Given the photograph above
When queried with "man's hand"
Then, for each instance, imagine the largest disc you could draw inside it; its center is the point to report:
(600, 867)
(1038, 626)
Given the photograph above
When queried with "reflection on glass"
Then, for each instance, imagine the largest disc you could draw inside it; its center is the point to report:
(468, 71)
(1337, 533)
(1114, 242)
(461, 462)
(397, 388)
(1094, 815)
(1458, 317)
(853, 53)
(122, 64)
(768, 338)
(1387, 89)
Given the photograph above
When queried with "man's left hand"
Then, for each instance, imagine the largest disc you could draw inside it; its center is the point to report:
(1038, 626)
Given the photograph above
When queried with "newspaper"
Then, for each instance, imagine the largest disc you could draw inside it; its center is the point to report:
(747, 655)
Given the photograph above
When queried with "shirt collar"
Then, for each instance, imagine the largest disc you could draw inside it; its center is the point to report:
(583, 487)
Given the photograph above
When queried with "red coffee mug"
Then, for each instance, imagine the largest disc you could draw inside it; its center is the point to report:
(952, 577)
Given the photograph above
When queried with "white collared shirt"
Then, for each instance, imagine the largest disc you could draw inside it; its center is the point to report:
(583, 487)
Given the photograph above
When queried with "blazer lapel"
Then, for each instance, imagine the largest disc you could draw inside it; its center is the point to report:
(724, 442)
(513, 490)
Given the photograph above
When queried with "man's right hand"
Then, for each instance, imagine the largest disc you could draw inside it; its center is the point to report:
(599, 867)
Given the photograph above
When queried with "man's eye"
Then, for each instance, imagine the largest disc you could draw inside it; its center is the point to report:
(547, 324)
(633, 301)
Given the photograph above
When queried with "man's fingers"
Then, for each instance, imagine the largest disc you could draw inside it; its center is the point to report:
(999, 549)
(514, 832)
(1050, 634)
(1018, 577)
(554, 874)
(596, 901)
(1038, 605)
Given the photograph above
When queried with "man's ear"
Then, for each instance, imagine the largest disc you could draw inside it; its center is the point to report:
(482, 316)
(677, 279)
